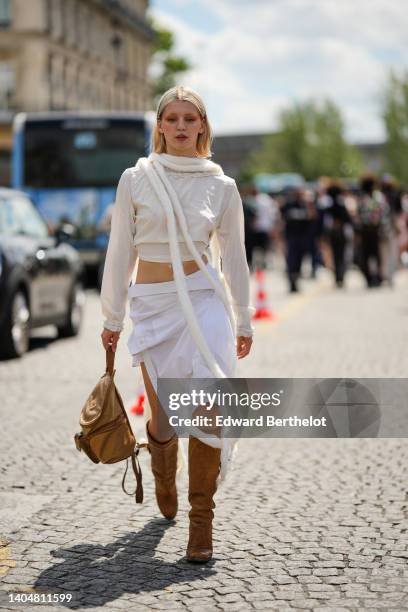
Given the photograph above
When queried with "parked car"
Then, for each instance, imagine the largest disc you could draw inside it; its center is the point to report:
(41, 276)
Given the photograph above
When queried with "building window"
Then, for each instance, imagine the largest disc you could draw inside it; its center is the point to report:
(5, 13)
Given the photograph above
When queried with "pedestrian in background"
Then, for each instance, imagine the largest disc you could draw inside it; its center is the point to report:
(372, 225)
(249, 220)
(337, 228)
(313, 231)
(263, 224)
(297, 216)
(389, 241)
(403, 229)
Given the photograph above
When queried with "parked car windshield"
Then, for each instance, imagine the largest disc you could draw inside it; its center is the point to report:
(18, 216)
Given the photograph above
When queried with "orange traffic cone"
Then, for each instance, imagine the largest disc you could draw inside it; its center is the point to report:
(138, 406)
(262, 311)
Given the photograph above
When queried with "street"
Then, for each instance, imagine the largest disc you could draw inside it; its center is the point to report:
(299, 524)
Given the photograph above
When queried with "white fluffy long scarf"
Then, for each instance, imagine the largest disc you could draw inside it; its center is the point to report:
(153, 168)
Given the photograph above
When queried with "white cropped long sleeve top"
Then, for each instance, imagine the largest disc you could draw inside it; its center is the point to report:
(211, 205)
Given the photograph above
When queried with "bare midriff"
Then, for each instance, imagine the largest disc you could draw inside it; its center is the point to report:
(159, 272)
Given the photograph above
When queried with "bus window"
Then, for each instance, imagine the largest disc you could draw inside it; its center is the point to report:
(64, 155)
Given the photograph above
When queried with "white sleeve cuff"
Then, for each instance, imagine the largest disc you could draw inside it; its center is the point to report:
(243, 315)
(112, 326)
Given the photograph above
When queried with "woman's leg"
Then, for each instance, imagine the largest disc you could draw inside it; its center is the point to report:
(163, 448)
(204, 464)
(159, 426)
(203, 468)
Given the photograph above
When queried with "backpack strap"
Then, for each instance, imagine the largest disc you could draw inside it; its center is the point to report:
(110, 361)
(138, 492)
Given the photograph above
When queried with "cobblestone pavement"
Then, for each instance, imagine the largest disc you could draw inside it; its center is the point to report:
(301, 524)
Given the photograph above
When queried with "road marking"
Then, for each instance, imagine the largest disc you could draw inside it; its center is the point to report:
(293, 306)
(6, 562)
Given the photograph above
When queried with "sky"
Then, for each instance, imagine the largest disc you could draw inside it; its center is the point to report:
(253, 58)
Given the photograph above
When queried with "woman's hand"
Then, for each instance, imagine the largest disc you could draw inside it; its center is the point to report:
(244, 344)
(110, 339)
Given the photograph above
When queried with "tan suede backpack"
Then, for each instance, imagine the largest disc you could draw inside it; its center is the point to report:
(107, 435)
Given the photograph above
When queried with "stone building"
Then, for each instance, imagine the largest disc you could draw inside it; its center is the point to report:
(72, 55)
(232, 151)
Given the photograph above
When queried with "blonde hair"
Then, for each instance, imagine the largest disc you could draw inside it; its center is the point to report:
(179, 92)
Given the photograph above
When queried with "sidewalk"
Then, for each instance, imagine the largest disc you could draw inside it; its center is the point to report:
(300, 524)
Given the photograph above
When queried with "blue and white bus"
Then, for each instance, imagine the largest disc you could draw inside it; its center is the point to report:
(69, 163)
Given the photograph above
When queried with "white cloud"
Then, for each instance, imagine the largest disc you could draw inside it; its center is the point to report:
(378, 22)
(271, 52)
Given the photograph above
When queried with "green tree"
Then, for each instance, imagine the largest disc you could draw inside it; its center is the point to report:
(310, 141)
(167, 65)
(395, 116)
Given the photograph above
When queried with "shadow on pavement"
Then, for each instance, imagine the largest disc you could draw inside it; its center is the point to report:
(40, 342)
(35, 343)
(97, 574)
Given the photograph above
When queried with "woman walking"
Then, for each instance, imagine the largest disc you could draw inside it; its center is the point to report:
(372, 225)
(167, 210)
(337, 226)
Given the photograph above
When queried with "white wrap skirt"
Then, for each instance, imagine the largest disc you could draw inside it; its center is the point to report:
(161, 338)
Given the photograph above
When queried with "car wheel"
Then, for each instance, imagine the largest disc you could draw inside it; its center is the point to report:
(75, 313)
(16, 332)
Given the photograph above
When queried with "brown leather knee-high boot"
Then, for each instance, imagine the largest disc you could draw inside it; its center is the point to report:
(164, 468)
(203, 469)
